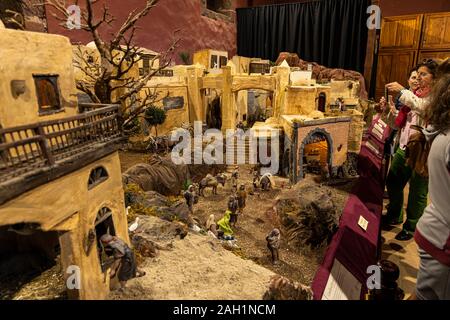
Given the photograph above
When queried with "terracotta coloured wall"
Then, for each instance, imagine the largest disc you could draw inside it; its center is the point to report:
(197, 31)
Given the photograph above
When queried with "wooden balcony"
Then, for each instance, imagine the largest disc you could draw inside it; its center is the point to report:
(34, 154)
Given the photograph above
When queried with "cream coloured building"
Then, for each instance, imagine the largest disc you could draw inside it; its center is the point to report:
(60, 176)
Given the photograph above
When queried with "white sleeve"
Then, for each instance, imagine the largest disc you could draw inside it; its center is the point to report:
(409, 99)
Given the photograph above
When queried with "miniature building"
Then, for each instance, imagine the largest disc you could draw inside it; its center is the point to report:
(60, 176)
(212, 60)
(171, 93)
(285, 103)
(305, 112)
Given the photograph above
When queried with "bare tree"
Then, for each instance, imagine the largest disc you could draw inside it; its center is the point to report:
(107, 77)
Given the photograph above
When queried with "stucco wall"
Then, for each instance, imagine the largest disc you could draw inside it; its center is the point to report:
(175, 117)
(66, 204)
(23, 54)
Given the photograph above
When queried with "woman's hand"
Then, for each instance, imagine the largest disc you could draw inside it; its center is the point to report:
(394, 87)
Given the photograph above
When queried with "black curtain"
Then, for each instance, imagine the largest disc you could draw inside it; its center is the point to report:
(332, 33)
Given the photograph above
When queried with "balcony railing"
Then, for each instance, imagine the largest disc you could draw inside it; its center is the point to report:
(30, 150)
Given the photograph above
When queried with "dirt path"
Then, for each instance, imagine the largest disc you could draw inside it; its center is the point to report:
(198, 268)
(258, 220)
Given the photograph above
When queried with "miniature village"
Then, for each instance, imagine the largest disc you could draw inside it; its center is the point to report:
(84, 178)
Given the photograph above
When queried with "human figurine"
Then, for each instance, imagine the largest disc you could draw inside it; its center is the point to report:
(124, 264)
(189, 195)
(233, 207)
(266, 182)
(234, 179)
(241, 198)
(341, 104)
(273, 243)
(256, 178)
(224, 228)
(211, 226)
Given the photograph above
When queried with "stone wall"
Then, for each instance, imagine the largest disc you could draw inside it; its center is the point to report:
(32, 15)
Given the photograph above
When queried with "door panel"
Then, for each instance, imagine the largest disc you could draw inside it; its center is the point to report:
(402, 32)
(436, 31)
(393, 66)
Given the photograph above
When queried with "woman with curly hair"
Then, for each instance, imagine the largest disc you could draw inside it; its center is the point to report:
(411, 119)
(433, 229)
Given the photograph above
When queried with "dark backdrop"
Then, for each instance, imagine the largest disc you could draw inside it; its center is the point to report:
(330, 32)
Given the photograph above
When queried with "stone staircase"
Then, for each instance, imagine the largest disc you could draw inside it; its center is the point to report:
(236, 151)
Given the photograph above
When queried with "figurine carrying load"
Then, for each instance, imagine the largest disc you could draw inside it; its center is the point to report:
(212, 182)
(124, 264)
(267, 182)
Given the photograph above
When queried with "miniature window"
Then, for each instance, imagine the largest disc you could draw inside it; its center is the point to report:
(214, 64)
(97, 176)
(218, 9)
(172, 103)
(223, 61)
(261, 68)
(47, 92)
(164, 73)
(216, 5)
(146, 61)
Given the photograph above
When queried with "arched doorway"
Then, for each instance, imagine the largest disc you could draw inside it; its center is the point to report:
(104, 224)
(315, 152)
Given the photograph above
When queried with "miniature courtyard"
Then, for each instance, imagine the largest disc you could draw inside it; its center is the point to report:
(318, 138)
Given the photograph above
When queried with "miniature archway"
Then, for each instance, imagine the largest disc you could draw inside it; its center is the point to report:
(254, 112)
(311, 137)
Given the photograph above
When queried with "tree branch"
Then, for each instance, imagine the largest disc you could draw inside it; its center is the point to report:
(82, 87)
(131, 21)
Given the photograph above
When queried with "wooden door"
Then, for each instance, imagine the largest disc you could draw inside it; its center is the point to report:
(401, 32)
(436, 31)
(393, 66)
